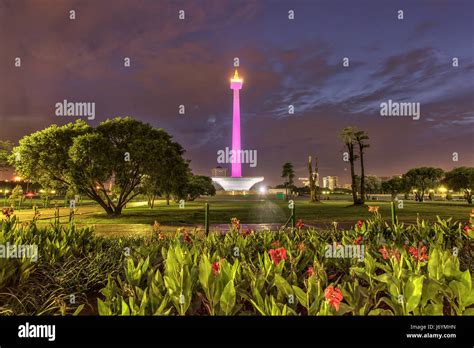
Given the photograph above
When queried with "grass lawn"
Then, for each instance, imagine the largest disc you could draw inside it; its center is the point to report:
(137, 218)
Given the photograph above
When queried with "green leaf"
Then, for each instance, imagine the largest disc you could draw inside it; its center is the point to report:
(78, 310)
(125, 309)
(228, 296)
(283, 285)
(103, 308)
(412, 292)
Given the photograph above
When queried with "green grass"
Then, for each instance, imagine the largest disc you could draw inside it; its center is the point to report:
(256, 211)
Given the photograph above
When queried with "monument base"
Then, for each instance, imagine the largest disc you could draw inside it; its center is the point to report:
(237, 184)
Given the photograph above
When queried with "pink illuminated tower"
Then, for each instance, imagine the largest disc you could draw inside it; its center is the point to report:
(236, 182)
(236, 85)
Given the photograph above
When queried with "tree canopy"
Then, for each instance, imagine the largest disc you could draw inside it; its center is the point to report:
(421, 179)
(461, 179)
(118, 153)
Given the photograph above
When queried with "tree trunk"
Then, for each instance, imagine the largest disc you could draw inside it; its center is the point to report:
(468, 196)
(362, 175)
(353, 179)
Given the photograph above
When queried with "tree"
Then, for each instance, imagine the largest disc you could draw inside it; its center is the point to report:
(199, 185)
(118, 152)
(373, 185)
(360, 138)
(289, 174)
(347, 137)
(461, 179)
(394, 186)
(5, 152)
(16, 196)
(421, 179)
(313, 177)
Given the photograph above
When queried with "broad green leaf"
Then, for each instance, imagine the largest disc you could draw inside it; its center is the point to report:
(228, 296)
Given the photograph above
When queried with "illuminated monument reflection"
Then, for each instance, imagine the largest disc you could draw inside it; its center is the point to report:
(236, 182)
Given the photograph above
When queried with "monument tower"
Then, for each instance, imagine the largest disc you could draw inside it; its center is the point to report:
(236, 182)
(236, 85)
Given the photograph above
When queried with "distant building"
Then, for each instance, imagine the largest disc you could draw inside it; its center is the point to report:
(330, 182)
(347, 186)
(218, 171)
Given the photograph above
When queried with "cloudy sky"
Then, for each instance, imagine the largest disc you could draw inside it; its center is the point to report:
(282, 61)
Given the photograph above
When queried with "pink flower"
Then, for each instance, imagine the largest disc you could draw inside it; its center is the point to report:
(310, 272)
(360, 223)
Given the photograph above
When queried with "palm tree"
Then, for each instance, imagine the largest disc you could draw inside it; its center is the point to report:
(289, 174)
(347, 137)
(313, 177)
(360, 137)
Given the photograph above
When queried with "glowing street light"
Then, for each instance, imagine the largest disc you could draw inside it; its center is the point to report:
(262, 190)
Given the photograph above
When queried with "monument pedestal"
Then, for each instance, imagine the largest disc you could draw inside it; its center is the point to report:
(237, 184)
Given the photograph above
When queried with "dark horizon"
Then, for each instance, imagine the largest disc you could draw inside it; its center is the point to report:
(282, 62)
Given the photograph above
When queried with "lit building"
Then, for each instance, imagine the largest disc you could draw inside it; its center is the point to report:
(218, 171)
(330, 182)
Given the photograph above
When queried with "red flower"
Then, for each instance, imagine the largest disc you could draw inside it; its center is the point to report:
(360, 223)
(419, 254)
(467, 229)
(235, 224)
(216, 267)
(277, 255)
(299, 224)
(310, 272)
(358, 240)
(333, 296)
(246, 232)
(385, 253)
(7, 212)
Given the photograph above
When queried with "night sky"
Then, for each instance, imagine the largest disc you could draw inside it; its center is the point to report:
(282, 61)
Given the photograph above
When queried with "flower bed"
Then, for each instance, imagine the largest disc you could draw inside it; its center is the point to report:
(373, 269)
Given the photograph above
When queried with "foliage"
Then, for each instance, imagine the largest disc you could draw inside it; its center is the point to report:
(420, 269)
(86, 160)
(421, 179)
(461, 179)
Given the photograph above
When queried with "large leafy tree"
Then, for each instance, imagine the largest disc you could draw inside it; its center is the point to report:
(372, 184)
(421, 179)
(394, 186)
(118, 153)
(289, 174)
(5, 152)
(199, 185)
(461, 179)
